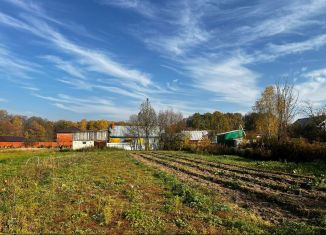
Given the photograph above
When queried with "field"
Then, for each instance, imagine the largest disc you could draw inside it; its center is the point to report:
(116, 192)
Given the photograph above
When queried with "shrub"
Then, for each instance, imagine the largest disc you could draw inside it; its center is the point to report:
(273, 150)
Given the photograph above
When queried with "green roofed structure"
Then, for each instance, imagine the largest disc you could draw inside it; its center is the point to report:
(233, 137)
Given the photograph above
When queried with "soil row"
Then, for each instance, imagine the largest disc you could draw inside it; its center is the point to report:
(235, 175)
(297, 205)
(296, 180)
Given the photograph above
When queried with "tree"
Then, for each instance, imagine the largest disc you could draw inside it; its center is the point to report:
(17, 122)
(170, 124)
(83, 125)
(102, 124)
(265, 106)
(36, 131)
(134, 131)
(250, 120)
(312, 129)
(148, 120)
(286, 107)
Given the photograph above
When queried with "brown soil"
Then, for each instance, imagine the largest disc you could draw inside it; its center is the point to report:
(272, 196)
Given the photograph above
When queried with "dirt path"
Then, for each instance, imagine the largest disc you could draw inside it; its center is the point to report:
(263, 192)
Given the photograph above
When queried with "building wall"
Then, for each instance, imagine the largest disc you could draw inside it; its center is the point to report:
(12, 144)
(64, 137)
(91, 135)
(82, 144)
(132, 143)
(28, 145)
(125, 146)
(44, 144)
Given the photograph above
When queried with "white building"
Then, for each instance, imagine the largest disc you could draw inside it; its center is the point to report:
(125, 137)
(195, 136)
(89, 139)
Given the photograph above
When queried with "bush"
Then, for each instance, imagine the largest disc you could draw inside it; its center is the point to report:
(273, 150)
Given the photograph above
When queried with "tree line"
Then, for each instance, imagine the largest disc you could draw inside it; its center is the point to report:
(271, 116)
(40, 129)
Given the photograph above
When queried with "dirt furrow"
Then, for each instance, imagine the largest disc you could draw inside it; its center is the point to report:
(268, 211)
(281, 177)
(267, 183)
(283, 200)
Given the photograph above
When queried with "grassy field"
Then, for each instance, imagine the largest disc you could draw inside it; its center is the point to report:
(163, 192)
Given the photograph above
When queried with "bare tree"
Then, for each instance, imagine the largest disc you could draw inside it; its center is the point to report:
(316, 114)
(170, 125)
(167, 118)
(134, 131)
(147, 120)
(286, 106)
(310, 110)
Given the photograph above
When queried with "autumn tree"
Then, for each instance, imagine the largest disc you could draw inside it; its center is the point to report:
(82, 125)
(17, 124)
(265, 107)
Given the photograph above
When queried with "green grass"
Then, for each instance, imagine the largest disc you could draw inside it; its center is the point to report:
(110, 192)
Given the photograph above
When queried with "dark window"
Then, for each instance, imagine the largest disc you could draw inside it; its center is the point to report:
(84, 142)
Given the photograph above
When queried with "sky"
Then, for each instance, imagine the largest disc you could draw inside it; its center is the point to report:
(99, 59)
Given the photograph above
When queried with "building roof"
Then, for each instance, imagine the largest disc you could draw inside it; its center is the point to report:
(69, 130)
(12, 139)
(303, 121)
(196, 135)
(307, 121)
(123, 132)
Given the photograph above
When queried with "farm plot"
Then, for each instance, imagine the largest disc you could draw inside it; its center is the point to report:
(273, 195)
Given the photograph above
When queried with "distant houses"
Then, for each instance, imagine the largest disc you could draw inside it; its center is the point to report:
(233, 138)
(76, 139)
(195, 136)
(319, 122)
(123, 137)
(129, 138)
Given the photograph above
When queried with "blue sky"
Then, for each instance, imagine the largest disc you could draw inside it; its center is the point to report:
(101, 58)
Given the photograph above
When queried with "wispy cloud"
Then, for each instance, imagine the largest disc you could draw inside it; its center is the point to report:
(3, 100)
(94, 60)
(89, 105)
(228, 80)
(13, 66)
(142, 7)
(286, 18)
(189, 30)
(65, 66)
(313, 43)
(314, 87)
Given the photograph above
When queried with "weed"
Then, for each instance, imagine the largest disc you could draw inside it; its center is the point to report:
(181, 222)
(296, 228)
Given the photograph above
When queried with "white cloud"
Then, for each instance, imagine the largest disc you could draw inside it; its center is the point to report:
(291, 16)
(298, 47)
(229, 80)
(142, 7)
(188, 30)
(13, 66)
(89, 105)
(65, 66)
(93, 59)
(314, 87)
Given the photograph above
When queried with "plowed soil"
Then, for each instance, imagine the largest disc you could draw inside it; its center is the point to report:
(273, 195)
